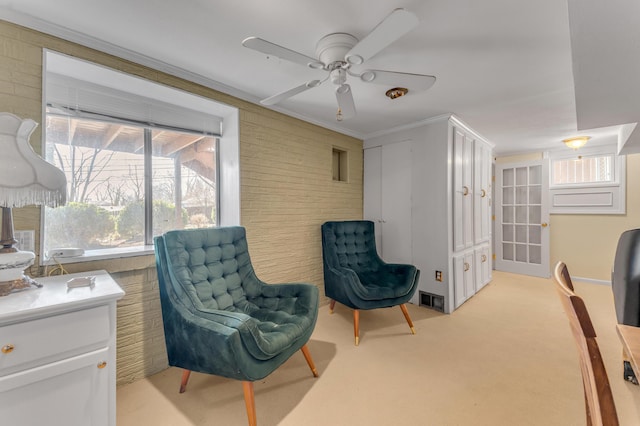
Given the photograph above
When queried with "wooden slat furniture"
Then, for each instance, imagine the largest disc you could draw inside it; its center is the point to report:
(630, 337)
(600, 407)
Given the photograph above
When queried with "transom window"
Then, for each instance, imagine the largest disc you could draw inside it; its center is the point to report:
(583, 170)
(588, 181)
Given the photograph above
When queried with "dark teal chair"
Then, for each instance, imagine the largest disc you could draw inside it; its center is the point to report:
(355, 276)
(219, 318)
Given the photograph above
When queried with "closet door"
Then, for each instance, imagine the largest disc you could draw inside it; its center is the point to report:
(463, 190)
(464, 277)
(372, 191)
(387, 194)
(481, 194)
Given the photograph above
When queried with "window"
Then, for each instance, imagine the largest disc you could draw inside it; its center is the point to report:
(583, 170)
(588, 181)
(140, 159)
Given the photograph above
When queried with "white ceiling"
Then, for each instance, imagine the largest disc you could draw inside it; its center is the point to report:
(503, 66)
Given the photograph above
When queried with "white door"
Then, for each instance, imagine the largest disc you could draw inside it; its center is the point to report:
(463, 278)
(522, 218)
(463, 191)
(387, 199)
(481, 192)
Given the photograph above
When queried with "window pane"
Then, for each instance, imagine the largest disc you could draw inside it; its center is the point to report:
(105, 170)
(583, 170)
(184, 189)
(104, 166)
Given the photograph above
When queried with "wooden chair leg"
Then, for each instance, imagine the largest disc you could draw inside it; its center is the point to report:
(356, 325)
(332, 305)
(307, 356)
(403, 307)
(250, 402)
(185, 379)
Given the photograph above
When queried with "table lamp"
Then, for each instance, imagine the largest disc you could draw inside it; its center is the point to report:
(25, 179)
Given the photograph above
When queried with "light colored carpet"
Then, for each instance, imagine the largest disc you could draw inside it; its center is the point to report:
(506, 357)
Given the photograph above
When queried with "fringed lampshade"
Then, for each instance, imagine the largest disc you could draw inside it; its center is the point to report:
(25, 179)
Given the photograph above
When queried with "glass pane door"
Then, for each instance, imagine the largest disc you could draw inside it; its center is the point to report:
(522, 236)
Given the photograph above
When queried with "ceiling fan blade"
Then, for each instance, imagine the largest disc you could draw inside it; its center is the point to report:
(345, 101)
(394, 26)
(269, 48)
(272, 100)
(413, 82)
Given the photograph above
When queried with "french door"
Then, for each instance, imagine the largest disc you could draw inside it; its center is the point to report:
(522, 218)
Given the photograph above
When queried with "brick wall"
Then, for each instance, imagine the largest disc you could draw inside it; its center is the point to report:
(287, 191)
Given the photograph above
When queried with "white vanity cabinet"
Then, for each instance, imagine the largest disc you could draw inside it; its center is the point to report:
(443, 226)
(57, 353)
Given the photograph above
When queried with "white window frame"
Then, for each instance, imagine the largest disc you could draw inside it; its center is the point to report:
(228, 175)
(589, 198)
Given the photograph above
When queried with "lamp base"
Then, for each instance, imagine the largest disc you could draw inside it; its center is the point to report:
(12, 277)
(25, 282)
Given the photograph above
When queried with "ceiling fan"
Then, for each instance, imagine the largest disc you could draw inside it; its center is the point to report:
(338, 52)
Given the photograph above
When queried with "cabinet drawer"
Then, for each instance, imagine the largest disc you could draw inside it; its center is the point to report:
(45, 340)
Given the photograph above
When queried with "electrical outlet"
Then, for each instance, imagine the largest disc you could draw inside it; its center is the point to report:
(26, 240)
(439, 276)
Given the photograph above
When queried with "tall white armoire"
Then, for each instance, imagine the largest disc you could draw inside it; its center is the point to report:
(428, 189)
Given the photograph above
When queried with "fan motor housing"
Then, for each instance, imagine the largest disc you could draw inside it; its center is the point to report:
(333, 47)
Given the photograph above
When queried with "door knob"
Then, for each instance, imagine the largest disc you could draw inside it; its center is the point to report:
(544, 225)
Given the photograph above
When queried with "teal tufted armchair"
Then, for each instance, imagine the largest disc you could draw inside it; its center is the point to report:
(219, 318)
(355, 276)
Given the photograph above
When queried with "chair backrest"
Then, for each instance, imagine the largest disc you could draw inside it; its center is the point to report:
(211, 268)
(600, 407)
(350, 244)
(625, 278)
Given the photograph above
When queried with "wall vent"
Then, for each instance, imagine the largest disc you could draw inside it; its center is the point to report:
(430, 300)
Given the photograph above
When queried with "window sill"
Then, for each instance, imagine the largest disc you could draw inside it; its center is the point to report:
(100, 255)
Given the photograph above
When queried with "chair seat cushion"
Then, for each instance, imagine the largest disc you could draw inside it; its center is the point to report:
(267, 333)
(386, 283)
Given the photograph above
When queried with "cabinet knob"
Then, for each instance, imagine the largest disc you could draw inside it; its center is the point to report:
(484, 258)
(544, 225)
(466, 266)
(483, 193)
(7, 349)
(102, 364)
(465, 190)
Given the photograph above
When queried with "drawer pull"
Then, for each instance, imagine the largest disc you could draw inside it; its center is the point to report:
(102, 364)
(466, 266)
(7, 349)
(484, 258)
(465, 190)
(483, 193)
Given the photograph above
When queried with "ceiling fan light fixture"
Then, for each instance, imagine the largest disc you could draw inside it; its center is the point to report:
(396, 92)
(576, 142)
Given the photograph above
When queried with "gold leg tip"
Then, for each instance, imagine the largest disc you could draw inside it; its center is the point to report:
(413, 330)
(357, 341)
(330, 311)
(315, 373)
